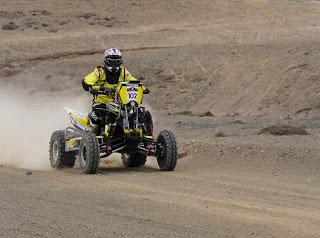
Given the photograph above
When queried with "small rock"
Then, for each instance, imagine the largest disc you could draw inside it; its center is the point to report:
(288, 117)
(63, 23)
(99, 174)
(185, 112)
(183, 91)
(206, 114)
(45, 24)
(160, 71)
(220, 134)
(167, 76)
(305, 109)
(52, 30)
(182, 154)
(1, 165)
(87, 15)
(238, 121)
(29, 172)
(282, 129)
(40, 13)
(10, 26)
(199, 78)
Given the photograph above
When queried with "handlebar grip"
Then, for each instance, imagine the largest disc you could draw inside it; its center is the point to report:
(146, 91)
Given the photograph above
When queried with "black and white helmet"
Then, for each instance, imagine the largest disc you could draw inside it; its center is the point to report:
(112, 60)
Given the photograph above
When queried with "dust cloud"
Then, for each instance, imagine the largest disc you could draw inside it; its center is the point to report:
(27, 122)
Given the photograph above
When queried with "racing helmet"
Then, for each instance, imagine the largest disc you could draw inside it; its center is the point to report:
(112, 60)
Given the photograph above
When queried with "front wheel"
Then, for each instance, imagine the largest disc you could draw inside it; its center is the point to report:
(167, 153)
(59, 158)
(89, 154)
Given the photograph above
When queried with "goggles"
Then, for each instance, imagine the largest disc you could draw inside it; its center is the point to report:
(114, 62)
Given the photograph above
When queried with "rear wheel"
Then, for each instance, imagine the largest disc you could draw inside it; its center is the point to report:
(89, 154)
(136, 159)
(59, 158)
(167, 153)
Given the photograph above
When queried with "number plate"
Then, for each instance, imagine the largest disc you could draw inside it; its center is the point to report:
(132, 93)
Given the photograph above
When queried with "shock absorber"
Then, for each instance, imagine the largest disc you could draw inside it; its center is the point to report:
(111, 132)
(110, 136)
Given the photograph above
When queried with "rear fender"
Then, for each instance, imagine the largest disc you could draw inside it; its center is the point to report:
(78, 119)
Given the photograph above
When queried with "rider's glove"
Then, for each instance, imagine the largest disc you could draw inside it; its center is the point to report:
(93, 91)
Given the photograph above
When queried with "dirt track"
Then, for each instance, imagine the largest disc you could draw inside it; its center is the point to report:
(244, 64)
(242, 185)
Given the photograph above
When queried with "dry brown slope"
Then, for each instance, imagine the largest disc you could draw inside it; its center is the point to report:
(250, 57)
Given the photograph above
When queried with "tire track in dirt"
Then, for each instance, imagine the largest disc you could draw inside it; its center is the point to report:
(297, 191)
(295, 220)
(11, 68)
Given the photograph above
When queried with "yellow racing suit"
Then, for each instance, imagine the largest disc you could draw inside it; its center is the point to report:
(99, 78)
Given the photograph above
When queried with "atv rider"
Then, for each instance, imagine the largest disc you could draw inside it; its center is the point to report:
(102, 83)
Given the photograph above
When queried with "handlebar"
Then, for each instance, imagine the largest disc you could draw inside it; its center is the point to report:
(110, 91)
(105, 91)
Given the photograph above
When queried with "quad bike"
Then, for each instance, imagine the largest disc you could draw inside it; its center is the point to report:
(131, 134)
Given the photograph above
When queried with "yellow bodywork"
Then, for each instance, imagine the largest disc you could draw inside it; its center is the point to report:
(128, 93)
(83, 120)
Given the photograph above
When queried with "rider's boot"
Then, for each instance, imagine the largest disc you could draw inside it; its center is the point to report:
(93, 125)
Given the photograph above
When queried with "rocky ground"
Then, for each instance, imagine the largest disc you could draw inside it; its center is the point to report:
(220, 73)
